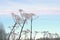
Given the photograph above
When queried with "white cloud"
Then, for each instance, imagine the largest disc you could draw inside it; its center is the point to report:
(37, 9)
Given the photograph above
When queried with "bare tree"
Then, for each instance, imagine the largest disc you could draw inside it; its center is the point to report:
(35, 34)
(25, 33)
(50, 35)
(45, 33)
(56, 35)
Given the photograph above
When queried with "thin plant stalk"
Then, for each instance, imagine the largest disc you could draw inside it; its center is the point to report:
(35, 36)
(11, 31)
(21, 30)
(31, 30)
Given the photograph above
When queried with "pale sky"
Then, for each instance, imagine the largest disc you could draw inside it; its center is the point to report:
(47, 10)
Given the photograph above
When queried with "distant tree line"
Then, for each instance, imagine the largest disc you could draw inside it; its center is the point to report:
(2, 32)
